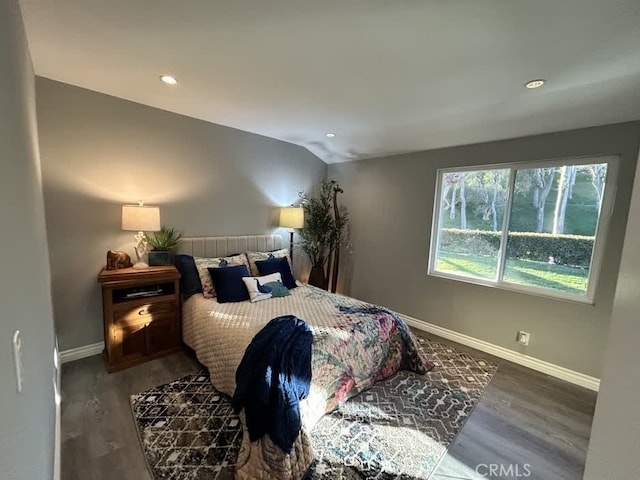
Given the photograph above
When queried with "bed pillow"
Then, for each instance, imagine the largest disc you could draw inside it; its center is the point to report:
(203, 264)
(278, 289)
(280, 265)
(228, 284)
(253, 257)
(190, 283)
(257, 288)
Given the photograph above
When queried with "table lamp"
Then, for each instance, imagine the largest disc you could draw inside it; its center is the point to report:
(140, 218)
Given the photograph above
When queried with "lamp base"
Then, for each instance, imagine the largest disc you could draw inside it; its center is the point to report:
(291, 247)
(140, 266)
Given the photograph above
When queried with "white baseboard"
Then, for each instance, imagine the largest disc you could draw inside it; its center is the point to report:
(556, 371)
(562, 373)
(57, 385)
(81, 352)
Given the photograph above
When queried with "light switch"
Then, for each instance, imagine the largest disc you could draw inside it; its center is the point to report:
(17, 357)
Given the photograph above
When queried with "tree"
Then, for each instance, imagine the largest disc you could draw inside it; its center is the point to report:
(454, 183)
(317, 233)
(598, 174)
(487, 190)
(565, 189)
(340, 220)
(452, 211)
(323, 233)
(572, 180)
(544, 178)
(448, 182)
(463, 202)
(492, 207)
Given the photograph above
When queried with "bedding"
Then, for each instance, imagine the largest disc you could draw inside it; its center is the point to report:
(252, 257)
(278, 265)
(277, 288)
(228, 284)
(190, 283)
(258, 288)
(355, 344)
(204, 263)
(273, 376)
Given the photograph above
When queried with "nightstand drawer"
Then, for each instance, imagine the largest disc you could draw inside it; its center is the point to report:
(144, 313)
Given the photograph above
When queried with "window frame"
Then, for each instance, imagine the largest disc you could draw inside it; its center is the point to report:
(602, 226)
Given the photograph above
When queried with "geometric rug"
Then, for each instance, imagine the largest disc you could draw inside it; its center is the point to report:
(398, 429)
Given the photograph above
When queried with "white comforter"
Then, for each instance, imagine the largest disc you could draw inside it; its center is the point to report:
(355, 344)
(219, 333)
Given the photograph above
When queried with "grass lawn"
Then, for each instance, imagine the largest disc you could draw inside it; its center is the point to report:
(521, 272)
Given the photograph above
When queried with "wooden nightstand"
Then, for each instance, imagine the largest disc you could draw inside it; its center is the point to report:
(141, 314)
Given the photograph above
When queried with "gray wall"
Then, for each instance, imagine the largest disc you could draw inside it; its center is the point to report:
(391, 204)
(26, 420)
(99, 152)
(615, 434)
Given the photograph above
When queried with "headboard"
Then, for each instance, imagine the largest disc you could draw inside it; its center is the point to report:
(223, 246)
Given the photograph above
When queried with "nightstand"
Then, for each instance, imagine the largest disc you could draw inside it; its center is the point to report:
(141, 314)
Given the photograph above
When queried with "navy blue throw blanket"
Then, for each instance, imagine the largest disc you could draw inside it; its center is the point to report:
(272, 378)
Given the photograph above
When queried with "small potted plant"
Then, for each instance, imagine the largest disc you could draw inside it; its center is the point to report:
(162, 244)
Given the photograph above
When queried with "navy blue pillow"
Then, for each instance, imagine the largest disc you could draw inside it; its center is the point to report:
(277, 265)
(228, 283)
(189, 278)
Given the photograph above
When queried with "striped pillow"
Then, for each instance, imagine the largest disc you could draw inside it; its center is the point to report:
(202, 264)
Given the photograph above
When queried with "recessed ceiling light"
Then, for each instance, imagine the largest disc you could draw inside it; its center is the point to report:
(168, 79)
(535, 83)
(330, 135)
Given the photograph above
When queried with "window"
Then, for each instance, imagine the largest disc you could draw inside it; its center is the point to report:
(535, 227)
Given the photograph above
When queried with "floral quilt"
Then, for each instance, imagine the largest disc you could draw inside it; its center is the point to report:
(355, 345)
(370, 344)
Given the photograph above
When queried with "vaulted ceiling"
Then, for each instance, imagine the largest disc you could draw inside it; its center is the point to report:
(384, 76)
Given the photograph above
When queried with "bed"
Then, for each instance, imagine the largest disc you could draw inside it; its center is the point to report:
(355, 344)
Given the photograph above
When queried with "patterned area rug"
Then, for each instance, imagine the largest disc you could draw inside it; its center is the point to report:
(398, 429)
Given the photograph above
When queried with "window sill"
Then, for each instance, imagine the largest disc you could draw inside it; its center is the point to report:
(538, 292)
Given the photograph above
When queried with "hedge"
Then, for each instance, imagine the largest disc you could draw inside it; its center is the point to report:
(565, 249)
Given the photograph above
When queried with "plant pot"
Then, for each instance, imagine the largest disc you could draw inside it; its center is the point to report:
(317, 277)
(158, 258)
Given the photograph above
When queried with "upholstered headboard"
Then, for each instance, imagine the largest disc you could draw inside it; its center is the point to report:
(223, 246)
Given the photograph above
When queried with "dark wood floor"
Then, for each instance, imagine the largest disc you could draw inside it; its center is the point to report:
(527, 424)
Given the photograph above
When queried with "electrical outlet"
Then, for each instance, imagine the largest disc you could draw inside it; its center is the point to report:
(523, 337)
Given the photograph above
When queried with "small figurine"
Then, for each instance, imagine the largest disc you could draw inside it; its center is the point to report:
(117, 260)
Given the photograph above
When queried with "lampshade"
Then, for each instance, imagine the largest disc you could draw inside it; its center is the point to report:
(140, 218)
(292, 217)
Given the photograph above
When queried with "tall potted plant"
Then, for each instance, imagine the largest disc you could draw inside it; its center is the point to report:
(162, 244)
(323, 233)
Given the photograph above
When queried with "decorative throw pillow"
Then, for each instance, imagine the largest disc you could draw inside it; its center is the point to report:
(190, 283)
(228, 283)
(277, 288)
(257, 288)
(253, 257)
(202, 264)
(281, 265)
